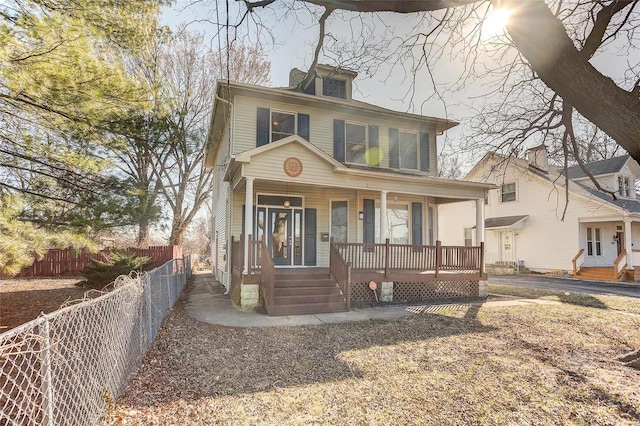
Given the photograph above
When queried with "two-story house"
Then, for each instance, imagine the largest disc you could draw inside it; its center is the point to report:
(308, 179)
(533, 221)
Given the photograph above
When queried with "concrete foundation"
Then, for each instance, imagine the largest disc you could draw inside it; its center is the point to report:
(249, 296)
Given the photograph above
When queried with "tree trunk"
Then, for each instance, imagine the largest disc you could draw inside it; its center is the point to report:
(543, 41)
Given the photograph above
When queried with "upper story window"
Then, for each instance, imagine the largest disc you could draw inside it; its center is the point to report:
(334, 88)
(508, 192)
(623, 186)
(283, 124)
(273, 125)
(408, 150)
(355, 143)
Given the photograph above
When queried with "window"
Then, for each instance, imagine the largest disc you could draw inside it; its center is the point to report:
(623, 186)
(594, 246)
(283, 124)
(508, 192)
(355, 143)
(408, 150)
(339, 221)
(486, 198)
(468, 237)
(334, 88)
(397, 224)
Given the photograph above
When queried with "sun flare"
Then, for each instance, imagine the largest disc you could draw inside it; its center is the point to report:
(494, 24)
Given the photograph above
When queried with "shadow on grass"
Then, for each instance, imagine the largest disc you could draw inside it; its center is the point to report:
(578, 299)
(249, 360)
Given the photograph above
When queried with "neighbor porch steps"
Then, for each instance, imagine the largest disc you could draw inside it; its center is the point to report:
(303, 292)
(597, 273)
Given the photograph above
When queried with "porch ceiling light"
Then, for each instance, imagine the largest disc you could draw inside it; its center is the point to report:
(287, 203)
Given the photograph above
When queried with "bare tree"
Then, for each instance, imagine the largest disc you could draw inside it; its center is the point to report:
(188, 72)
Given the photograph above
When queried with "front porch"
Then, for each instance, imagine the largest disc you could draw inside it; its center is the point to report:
(358, 273)
(607, 250)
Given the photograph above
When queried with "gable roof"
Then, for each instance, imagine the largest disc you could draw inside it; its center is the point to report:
(596, 168)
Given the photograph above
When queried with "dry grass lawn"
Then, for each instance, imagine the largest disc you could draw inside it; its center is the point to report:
(521, 365)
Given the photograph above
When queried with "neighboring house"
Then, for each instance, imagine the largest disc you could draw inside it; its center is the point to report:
(524, 225)
(295, 170)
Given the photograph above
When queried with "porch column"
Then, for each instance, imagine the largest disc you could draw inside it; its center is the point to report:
(479, 221)
(383, 216)
(627, 243)
(248, 220)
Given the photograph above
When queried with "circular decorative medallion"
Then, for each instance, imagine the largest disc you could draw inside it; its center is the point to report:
(292, 166)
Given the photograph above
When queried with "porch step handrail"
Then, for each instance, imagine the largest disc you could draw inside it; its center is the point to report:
(578, 261)
(620, 264)
(340, 270)
(267, 274)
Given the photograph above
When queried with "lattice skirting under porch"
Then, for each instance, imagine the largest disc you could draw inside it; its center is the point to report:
(412, 291)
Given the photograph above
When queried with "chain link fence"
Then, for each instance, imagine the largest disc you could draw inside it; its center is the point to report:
(67, 367)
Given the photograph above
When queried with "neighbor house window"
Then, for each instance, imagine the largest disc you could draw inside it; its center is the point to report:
(468, 237)
(623, 186)
(408, 150)
(339, 221)
(283, 124)
(355, 143)
(594, 246)
(334, 88)
(508, 192)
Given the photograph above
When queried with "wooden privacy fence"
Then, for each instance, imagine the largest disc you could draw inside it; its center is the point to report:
(69, 262)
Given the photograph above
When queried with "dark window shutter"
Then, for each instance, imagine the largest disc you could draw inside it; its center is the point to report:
(394, 149)
(310, 226)
(303, 125)
(369, 226)
(424, 152)
(373, 159)
(416, 224)
(338, 140)
(262, 126)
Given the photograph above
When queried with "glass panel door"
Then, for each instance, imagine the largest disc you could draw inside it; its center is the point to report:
(280, 236)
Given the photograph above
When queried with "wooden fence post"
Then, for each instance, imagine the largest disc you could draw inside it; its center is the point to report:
(482, 257)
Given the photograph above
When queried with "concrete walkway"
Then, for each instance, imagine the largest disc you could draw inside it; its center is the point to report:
(206, 302)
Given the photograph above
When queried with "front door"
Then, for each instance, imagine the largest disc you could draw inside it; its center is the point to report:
(285, 236)
(506, 246)
(619, 242)
(279, 236)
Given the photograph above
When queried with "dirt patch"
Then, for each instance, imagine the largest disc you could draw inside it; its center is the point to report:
(23, 299)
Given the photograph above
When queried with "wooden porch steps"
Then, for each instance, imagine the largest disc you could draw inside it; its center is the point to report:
(596, 273)
(304, 292)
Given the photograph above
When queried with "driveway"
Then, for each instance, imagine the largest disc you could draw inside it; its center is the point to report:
(567, 284)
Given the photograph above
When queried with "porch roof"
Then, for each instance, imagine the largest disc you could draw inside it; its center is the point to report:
(505, 222)
(318, 168)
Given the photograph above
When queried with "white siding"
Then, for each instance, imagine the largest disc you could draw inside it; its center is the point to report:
(321, 128)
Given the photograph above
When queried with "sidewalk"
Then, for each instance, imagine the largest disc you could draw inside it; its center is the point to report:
(206, 302)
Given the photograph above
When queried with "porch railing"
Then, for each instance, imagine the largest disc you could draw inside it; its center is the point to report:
(635, 256)
(237, 256)
(340, 269)
(578, 261)
(388, 256)
(620, 264)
